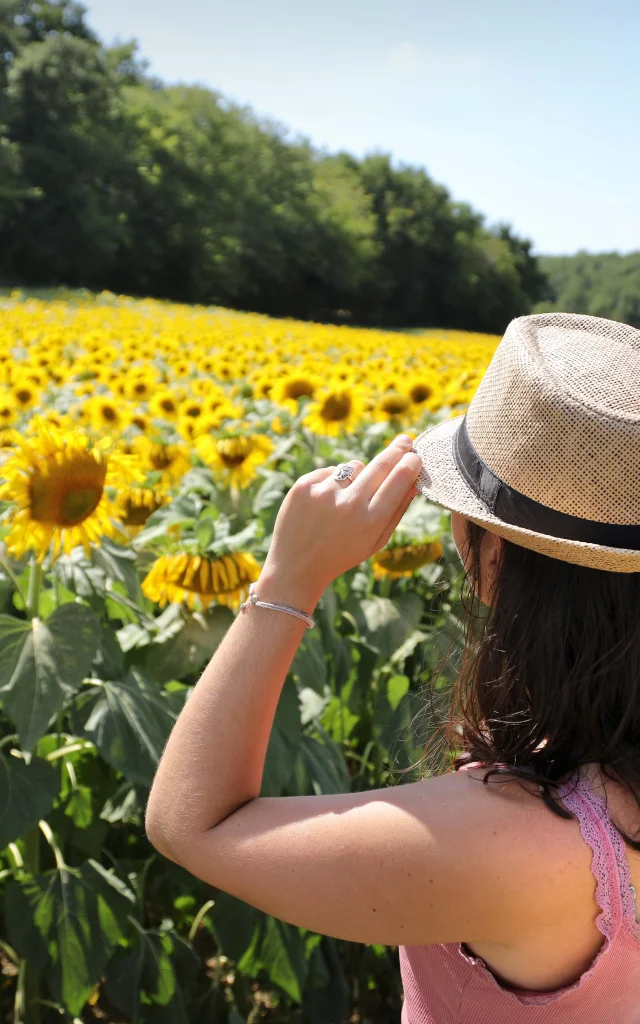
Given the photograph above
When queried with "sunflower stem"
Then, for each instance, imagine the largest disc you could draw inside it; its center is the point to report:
(385, 586)
(14, 579)
(27, 996)
(35, 582)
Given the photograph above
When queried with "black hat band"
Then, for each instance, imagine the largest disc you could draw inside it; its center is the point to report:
(517, 509)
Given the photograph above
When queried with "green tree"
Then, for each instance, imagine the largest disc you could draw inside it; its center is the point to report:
(66, 120)
(602, 284)
(110, 179)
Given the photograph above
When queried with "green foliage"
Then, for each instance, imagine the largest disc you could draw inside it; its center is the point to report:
(90, 688)
(605, 284)
(42, 664)
(109, 179)
(27, 793)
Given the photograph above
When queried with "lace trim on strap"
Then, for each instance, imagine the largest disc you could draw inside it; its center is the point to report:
(614, 893)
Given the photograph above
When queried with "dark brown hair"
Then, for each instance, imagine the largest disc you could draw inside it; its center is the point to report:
(550, 674)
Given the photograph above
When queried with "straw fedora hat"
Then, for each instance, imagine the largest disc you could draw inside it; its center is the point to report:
(548, 453)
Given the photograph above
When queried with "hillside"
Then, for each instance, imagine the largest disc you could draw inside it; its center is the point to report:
(601, 284)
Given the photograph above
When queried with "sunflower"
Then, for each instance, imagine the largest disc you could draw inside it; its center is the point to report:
(26, 394)
(263, 384)
(191, 407)
(164, 405)
(104, 414)
(289, 390)
(195, 579)
(212, 418)
(49, 418)
(201, 386)
(226, 371)
(138, 389)
(140, 421)
(9, 438)
(207, 365)
(172, 460)
(420, 389)
(181, 368)
(394, 405)
(189, 429)
(34, 375)
(405, 559)
(116, 383)
(234, 460)
(58, 484)
(338, 407)
(8, 409)
(215, 400)
(134, 505)
(59, 373)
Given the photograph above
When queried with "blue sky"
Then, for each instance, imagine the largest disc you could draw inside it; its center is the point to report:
(527, 110)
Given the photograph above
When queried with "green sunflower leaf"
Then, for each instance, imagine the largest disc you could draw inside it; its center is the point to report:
(129, 721)
(42, 664)
(27, 792)
(81, 915)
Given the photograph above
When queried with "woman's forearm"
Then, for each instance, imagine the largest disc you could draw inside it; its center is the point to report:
(214, 759)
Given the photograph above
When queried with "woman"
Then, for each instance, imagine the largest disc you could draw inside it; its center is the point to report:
(512, 901)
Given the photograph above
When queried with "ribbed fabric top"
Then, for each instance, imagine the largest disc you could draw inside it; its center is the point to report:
(445, 985)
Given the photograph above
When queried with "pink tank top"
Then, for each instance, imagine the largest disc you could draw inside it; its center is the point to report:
(445, 985)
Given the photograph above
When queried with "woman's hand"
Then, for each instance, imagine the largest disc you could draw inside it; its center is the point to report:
(325, 527)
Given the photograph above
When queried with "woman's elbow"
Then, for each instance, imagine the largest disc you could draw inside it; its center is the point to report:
(160, 831)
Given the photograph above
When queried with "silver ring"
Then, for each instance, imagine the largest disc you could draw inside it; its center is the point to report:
(343, 472)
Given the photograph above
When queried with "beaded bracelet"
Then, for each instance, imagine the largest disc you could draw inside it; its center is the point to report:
(253, 600)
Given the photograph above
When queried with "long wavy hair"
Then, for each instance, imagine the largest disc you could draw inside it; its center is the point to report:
(550, 674)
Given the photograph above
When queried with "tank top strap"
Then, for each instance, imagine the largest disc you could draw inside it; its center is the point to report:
(614, 893)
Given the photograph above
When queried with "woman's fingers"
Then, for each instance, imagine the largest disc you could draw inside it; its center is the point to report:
(391, 493)
(329, 480)
(316, 476)
(385, 536)
(378, 470)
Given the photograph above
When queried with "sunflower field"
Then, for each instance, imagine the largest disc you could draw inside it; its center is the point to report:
(145, 449)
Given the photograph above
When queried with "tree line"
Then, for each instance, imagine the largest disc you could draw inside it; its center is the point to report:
(601, 284)
(111, 179)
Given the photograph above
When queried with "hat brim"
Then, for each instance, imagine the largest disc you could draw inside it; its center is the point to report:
(441, 482)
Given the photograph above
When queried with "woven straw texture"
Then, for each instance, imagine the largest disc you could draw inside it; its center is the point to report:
(557, 417)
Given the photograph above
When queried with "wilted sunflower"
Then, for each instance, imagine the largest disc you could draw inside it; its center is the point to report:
(234, 460)
(134, 505)
(338, 407)
(405, 559)
(193, 578)
(57, 483)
